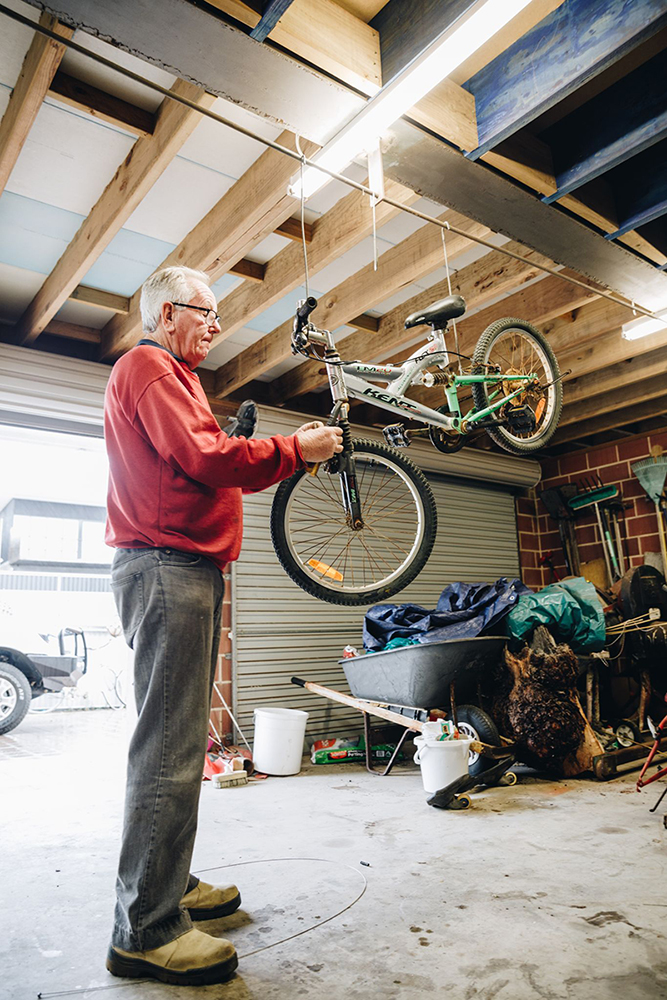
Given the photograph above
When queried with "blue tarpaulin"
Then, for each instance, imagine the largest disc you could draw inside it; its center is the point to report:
(464, 611)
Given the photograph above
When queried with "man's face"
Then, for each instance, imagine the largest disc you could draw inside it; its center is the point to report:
(188, 331)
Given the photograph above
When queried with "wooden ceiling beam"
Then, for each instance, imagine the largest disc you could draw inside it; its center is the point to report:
(100, 105)
(337, 231)
(322, 33)
(242, 218)
(414, 257)
(618, 416)
(39, 66)
(73, 331)
(478, 283)
(629, 376)
(291, 230)
(101, 299)
(136, 175)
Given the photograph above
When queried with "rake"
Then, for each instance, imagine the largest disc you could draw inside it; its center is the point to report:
(652, 473)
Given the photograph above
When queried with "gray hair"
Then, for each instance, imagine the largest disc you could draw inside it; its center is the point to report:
(171, 284)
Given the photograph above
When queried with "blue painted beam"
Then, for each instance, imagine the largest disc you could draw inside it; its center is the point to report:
(272, 11)
(575, 43)
(406, 27)
(619, 123)
(640, 189)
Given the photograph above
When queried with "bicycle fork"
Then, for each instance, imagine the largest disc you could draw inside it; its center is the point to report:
(345, 468)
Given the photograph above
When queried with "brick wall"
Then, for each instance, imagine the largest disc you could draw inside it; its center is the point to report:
(538, 533)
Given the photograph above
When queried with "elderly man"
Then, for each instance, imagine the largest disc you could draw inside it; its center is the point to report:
(175, 519)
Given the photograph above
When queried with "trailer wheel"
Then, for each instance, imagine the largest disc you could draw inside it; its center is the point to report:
(478, 724)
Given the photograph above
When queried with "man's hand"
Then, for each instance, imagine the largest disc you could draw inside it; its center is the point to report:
(319, 443)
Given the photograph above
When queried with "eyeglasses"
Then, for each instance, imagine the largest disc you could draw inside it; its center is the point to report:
(210, 315)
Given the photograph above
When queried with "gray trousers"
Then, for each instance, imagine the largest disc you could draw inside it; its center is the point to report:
(170, 606)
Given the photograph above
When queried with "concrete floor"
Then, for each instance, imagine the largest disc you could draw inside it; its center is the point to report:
(544, 890)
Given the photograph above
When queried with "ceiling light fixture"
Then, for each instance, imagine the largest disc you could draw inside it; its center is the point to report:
(645, 326)
(467, 34)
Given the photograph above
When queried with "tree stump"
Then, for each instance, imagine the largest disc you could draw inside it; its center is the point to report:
(536, 703)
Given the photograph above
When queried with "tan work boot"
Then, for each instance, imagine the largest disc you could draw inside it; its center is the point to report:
(193, 959)
(206, 902)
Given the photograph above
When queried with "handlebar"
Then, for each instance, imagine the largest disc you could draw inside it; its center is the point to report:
(303, 311)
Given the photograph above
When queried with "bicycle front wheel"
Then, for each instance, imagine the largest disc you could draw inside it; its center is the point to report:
(326, 557)
(519, 349)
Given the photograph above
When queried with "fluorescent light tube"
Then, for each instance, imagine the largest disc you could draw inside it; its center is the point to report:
(644, 327)
(472, 30)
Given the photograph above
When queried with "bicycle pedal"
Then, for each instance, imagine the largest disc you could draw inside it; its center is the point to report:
(396, 436)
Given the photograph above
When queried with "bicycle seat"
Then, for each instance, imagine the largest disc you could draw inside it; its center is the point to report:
(437, 315)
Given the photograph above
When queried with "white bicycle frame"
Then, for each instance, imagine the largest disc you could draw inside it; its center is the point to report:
(348, 380)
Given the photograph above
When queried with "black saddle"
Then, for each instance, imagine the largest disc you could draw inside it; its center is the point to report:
(437, 315)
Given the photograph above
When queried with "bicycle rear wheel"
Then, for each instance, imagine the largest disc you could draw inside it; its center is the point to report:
(519, 349)
(320, 551)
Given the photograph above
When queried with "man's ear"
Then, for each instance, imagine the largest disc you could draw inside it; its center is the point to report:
(167, 314)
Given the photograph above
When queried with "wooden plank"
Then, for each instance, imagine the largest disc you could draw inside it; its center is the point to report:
(41, 62)
(609, 349)
(575, 43)
(145, 162)
(526, 159)
(103, 107)
(415, 256)
(324, 34)
(448, 111)
(291, 229)
(365, 322)
(100, 298)
(338, 230)
(620, 416)
(72, 331)
(629, 394)
(365, 10)
(250, 269)
(272, 11)
(477, 283)
(244, 216)
(626, 374)
(619, 123)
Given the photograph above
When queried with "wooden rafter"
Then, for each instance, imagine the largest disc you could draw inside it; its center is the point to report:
(101, 299)
(244, 216)
(414, 257)
(145, 162)
(324, 34)
(41, 62)
(619, 416)
(100, 105)
(340, 229)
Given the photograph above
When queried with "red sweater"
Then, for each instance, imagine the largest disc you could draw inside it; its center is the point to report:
(175, 479)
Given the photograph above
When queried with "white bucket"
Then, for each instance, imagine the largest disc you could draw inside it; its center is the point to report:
(278, 744)
(441, 761)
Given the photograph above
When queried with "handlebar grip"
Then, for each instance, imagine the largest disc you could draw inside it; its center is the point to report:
(306, 307)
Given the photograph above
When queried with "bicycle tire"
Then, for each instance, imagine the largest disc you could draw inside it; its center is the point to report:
(378, 591)
(501, 435)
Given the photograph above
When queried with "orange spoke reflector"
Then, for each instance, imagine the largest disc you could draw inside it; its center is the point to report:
(325, 570)
(539, 410)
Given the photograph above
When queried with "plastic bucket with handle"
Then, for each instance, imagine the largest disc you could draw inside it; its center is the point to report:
(441, 761)
(278, 744)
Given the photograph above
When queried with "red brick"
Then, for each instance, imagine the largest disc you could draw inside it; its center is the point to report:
(635, 449)
(533, 578)
(526, 523)
(659, 438)
(611, 475)
(529, 542)
(586, 534)
(550, 468)
(576, 462)
(644, 506)
(529, 559)
(644, 525)
(588, 552)
(524, 505)
(632, 546)
(636, 561)
(633, 488)
(548, 484)
(602, 456)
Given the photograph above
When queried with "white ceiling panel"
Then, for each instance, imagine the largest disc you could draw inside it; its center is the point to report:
(267, 249)
(223, 149)
(349, 263)
(68, 160)
(285, 366)
(178, 200)
(17, 289)
(84, 68)
(397, 299)
(84, 315)
(15, 40)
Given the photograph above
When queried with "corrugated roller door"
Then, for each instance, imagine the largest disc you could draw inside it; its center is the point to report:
(280, 631)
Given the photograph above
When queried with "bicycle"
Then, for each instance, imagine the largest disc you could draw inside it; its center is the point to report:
(362, 532)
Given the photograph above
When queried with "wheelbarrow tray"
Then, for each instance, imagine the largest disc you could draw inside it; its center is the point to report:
(421, 675)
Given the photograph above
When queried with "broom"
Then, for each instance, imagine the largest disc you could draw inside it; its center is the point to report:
(651, 473)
